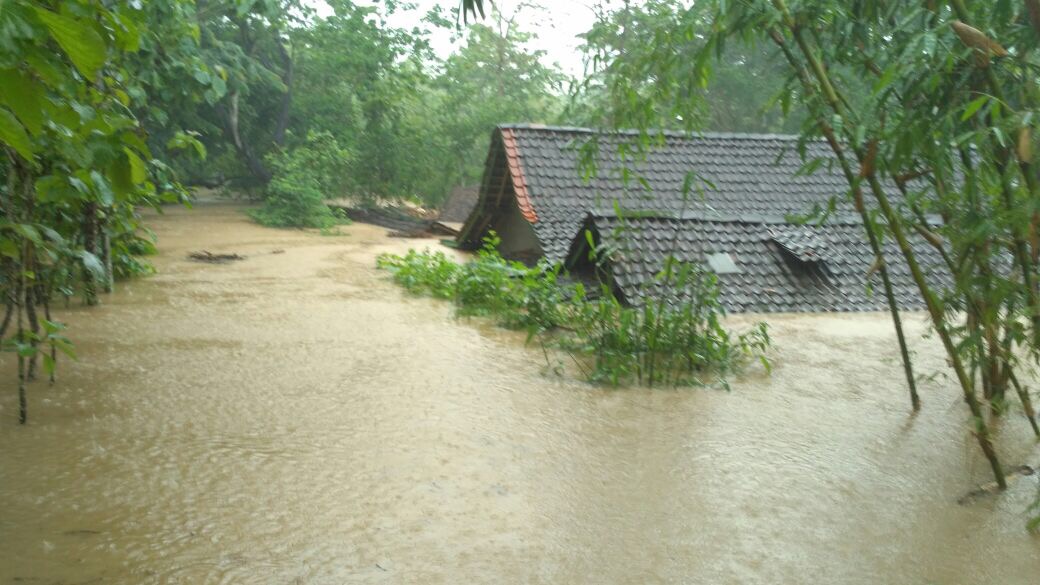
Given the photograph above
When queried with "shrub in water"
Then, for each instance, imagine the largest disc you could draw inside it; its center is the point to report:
(423, 273)
(672, 338)
(304, 177)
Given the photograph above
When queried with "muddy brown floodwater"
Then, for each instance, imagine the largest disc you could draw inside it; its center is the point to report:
(294, 418)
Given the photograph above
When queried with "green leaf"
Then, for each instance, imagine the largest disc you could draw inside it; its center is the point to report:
(1001, 138)
(120, 178)
(135, 142)
(47, 71)
(24, 96)
(28, 232)
(52, 326)
(79, 185)
(64, 346)
(51, 234)
(13, 134)
(127, 33)
(104, 189)
(886, 78)
(219, 86)
(973, 107)
(184, 140)
(80, 41)
(138, 171)
(9, 248)
(93, 265)
(50, 188)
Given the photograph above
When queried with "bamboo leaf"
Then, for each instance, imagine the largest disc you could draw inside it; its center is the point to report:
(973, 107)
(977, 39)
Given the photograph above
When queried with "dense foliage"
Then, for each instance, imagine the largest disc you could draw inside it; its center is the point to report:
(929, 110)
(105, 105)
(301, 178)
(272, 74)
(741, 95)
(668, 341)
(494, 79)
(75, 165)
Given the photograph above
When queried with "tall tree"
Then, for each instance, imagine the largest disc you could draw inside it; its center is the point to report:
(493, 79)
(740, 96)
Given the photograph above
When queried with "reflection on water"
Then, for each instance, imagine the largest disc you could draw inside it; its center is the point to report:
(293, 418)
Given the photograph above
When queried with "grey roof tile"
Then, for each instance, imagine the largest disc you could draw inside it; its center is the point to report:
(734, 175)
(771, 279)
(744, 187)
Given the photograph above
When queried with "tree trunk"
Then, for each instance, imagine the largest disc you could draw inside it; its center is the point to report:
(287, 79)
(23, 403)
(256, 166)
(90, 245)
(106, 257)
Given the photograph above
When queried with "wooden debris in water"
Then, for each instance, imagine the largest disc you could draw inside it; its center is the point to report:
(207, 256)
(432, 230)
(401, 221)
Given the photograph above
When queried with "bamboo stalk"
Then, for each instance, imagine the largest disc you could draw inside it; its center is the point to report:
(875, 245)
(1027, 403)
(1021, 239)
(895, 226)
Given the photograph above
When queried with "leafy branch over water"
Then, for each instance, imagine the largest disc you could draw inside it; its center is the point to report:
(668, 341)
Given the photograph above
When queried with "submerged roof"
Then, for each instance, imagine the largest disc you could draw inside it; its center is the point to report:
(778, 268)
(459, 204)
(722, 175)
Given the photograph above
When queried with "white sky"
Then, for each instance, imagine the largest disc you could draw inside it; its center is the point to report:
(556, 26)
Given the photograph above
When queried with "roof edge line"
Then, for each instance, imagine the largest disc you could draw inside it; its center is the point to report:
(516, 168)
(655, 132)
(719, 217)
(834, 219)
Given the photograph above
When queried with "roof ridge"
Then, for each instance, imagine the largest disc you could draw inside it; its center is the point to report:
(689, 215)
(633, 132)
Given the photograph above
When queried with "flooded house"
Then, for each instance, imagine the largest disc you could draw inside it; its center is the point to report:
(733, 204)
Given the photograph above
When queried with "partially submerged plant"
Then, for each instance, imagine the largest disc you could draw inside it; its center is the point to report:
(304, 177)
(673, 338)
